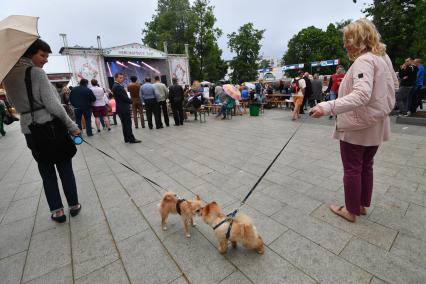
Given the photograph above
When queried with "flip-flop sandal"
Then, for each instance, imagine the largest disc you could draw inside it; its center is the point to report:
(363, 212)
(339, 212)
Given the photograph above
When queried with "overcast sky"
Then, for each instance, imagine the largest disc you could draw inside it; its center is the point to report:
(120, 22)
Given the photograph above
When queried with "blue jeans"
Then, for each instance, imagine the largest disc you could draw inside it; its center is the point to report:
(88, 116)
(333, 95)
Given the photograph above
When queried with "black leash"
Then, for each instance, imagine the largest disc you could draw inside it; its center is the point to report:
(269, 167)
(230, 217)
(124, 165)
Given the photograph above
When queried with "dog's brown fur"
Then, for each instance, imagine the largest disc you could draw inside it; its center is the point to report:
(243, 231)
(188, 209)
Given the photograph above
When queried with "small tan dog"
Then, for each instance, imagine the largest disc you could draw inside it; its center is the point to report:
(186, 208)
(242, 230)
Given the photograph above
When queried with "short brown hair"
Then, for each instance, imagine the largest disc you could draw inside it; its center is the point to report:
(118, 74)
(36, 46)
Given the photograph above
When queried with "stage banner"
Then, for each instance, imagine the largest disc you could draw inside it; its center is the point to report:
(88, 67)
(179, 68)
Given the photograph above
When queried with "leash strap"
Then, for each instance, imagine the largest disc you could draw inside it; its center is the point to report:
(124, 165)
(267, 169)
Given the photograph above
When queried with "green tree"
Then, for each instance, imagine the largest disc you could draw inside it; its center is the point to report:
(419, 44)
(398, 22)
(264, 63)
(170, 24)
(246, 45)
(208, 63)
(313, 44)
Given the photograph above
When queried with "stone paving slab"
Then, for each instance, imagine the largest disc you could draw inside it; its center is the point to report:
(385, 265)
(321, 264)
(118, 238)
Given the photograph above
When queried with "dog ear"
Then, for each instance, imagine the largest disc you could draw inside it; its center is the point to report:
(198, 197)
(206, 209)
(167, 198)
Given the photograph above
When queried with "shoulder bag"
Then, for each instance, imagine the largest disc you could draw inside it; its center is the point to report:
(51, 141)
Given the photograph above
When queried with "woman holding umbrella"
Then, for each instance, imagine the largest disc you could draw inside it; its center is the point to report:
(46, 106)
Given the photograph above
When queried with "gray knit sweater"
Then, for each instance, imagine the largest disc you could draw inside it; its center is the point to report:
(44, 95)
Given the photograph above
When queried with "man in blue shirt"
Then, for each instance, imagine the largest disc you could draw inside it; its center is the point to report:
(151, 99)
(419, 81)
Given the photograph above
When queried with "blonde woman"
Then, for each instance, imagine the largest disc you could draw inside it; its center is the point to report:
(366, 97)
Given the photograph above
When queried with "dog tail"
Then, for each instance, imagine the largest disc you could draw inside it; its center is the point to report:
(248, 232)
(169, 196)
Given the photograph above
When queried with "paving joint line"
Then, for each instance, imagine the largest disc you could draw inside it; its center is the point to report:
(148, 223)
(106, 219)
(16, 190)
(31, 237)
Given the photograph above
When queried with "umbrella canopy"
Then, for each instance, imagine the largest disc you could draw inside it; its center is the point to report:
(232, 91)
(205, 83)
(17, 33)
(250, 85)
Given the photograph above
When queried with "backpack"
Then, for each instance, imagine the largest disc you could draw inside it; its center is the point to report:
(295, 86)
(196, 103)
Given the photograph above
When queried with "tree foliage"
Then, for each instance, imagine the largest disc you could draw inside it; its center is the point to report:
(246, 45)
(401, 24)
(209, 64)
(313, 44)
(177, 23)
(170, 24)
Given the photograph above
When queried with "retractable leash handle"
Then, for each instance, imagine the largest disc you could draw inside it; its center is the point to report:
(77, 139)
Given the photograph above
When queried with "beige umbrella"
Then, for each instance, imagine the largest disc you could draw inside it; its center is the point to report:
(17, 33)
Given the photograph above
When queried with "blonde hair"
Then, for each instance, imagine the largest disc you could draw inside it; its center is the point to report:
(363, 37)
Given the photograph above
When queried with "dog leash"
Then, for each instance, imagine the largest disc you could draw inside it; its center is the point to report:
(231, 215)
(124, 165)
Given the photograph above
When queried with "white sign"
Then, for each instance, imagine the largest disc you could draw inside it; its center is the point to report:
(179, 69)
(88, 67)
(134, 50)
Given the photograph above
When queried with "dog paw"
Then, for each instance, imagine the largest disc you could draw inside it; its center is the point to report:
(188, 235)
(164, 228)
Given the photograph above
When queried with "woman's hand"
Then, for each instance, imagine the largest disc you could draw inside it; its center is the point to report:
(317, 112)
(76, 132)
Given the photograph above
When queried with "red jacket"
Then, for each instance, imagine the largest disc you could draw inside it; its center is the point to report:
(336, 79)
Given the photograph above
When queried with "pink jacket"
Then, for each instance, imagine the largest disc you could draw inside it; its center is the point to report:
(366, 97)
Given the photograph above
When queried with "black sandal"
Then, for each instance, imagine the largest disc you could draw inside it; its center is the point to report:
(74, 212)
(59, 219)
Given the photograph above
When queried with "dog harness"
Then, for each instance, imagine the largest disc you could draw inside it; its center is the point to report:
(180, 200)
(229, 218)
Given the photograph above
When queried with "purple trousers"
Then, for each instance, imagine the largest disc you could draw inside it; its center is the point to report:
(358, 175)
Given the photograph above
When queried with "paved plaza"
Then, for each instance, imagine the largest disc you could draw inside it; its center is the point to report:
(117, 237)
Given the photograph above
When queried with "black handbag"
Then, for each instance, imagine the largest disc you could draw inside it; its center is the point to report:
(50, 141)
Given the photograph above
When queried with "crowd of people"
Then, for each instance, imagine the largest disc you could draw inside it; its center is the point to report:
(411, 75)
(362, 98)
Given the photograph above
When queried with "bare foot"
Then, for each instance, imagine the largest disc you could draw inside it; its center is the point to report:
(342, 212)
(363, 211)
